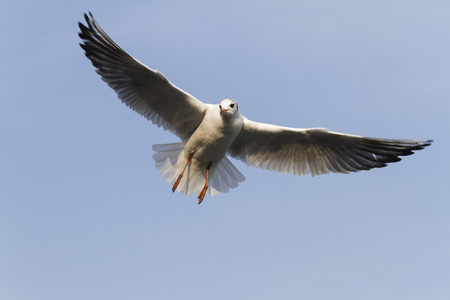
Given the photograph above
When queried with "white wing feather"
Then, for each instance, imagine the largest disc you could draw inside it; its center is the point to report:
(144, 90)
(316, 151)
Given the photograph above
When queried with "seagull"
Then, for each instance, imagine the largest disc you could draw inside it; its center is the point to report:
(198, 164)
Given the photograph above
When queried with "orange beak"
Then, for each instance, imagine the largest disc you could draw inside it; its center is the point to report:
(223, 111)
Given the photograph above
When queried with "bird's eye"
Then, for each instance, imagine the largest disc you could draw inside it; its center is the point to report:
(220, 106)
(232, 105)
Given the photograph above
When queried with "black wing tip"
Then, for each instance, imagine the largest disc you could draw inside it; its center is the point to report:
(427, 142)
(418, 145)
(89, 17)
(421, 144)
(90, 21)
(83, 28)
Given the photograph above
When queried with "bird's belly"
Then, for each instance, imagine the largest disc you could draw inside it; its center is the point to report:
(208, 147)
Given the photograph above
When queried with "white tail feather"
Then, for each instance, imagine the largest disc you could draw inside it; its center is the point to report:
(170, 161)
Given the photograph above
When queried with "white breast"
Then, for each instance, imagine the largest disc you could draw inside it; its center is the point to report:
(213, 137)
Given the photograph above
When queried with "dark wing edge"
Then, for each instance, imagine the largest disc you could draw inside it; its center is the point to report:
(144, 90)
(316, 151)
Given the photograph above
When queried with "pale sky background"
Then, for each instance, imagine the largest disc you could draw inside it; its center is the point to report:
(84, 214)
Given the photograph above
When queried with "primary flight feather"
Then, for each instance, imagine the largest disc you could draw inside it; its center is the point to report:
(198, 164)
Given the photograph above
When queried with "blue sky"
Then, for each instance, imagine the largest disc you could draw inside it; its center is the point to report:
(85, 215)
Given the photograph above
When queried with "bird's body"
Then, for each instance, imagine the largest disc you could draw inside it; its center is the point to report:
(205, 150)
(208, 132)
(215, 134)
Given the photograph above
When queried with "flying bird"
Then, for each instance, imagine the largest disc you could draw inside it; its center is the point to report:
(198, 164)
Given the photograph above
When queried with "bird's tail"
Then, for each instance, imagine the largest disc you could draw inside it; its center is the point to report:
(170, 161)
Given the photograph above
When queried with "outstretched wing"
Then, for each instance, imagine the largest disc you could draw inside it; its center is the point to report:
(316, 151)
(144, 90)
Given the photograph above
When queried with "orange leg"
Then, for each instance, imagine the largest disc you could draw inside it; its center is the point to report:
(175, 185)
(205, 188)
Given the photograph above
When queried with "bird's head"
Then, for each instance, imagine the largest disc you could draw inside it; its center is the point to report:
(228, 107)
